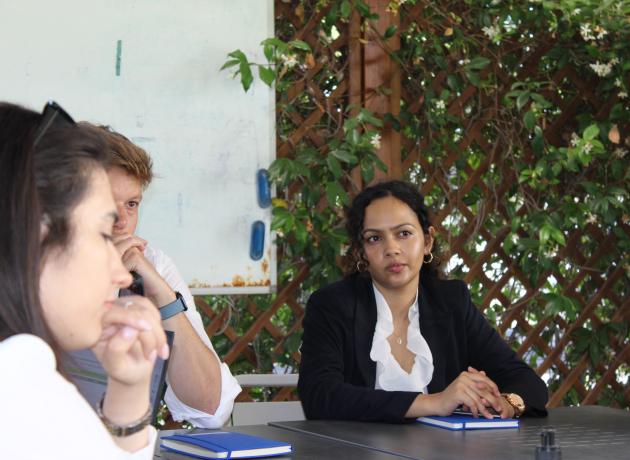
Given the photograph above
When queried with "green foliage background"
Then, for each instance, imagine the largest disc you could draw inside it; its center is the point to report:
(572, 183)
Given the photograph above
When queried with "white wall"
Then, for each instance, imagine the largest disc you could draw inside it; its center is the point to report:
(164, 91)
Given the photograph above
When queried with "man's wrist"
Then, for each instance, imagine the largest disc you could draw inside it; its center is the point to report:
(173, 308)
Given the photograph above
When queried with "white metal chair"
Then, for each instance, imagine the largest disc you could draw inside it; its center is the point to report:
(257, 413)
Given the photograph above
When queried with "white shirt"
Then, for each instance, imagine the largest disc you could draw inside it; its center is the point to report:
(42, 415)
(229, 386)
(389, 375)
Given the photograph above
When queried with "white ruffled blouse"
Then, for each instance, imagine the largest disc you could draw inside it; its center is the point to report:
(389, 375)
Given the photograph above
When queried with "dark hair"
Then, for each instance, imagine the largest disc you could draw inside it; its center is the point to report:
(38, 184)
(355, 216)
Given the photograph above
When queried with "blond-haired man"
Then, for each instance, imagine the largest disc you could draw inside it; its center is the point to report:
(201, 389)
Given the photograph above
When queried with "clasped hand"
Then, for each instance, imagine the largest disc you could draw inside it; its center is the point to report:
(131, 339)
(131, 249)
(475, 392)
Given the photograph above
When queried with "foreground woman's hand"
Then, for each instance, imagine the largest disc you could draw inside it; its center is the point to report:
(131, 339)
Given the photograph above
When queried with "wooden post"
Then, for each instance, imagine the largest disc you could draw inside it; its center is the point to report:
(355, 87)
(382, 73)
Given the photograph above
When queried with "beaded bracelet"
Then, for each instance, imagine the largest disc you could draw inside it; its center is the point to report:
(123, 430)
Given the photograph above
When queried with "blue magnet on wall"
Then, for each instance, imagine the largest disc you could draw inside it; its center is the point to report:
(257, 241)
(263, 189)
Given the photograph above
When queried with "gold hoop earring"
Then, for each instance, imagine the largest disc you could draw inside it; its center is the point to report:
(424, 261)
(361, 265)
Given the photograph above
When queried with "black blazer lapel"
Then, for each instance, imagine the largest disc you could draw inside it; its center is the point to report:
(364, 326)
(436, 330)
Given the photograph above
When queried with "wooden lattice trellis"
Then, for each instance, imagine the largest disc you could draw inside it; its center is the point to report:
(359, 63)
(588, 287)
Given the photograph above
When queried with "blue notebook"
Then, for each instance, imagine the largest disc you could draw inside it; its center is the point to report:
(223, 444)
(468, 422)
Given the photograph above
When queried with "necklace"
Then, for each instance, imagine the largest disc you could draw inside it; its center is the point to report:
(399, 339)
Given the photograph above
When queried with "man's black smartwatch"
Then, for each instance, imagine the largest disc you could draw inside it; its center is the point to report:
(171, 309)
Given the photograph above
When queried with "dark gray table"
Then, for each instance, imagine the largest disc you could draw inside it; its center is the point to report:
(305, 447)
(589, 432)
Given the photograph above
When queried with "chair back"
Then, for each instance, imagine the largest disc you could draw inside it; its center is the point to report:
(257, 413)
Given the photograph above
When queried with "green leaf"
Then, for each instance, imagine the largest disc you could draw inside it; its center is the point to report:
(246, 76)
(367, 170)
(346, 8)
(521, 100)
(355, 137)
(230, 63)
(591, 132)
(301, 234)
(334, 166)
(279, 168)
(334, 190)
(390, 32)
(538, 144)
(379, 164)
(529, 120)
(267, 75)
(369, 117)
(478, 63)
(473, 78)
(543, 235)
(557, 235)
(343, 155)
(540, 100)
(299, 44)
(238, 55)
(268, 50)
(282, 220)
(452, 82)
(556, 169)
(275, 43)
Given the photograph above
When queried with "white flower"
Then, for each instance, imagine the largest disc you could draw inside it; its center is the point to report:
(619, 152)
(591, 219)
(587, 147)
(509, 27)
(575, 140)
(614, 61)
(586, 32)
(575, 12)
(376, 141)
(463, 61)
(601, 69)
(440, 105)
(491, 31)
(601, 32)
(618, 83)
(290, 60)
(622, 95)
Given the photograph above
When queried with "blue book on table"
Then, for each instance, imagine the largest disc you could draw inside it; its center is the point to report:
(468, 422)
(223, 444)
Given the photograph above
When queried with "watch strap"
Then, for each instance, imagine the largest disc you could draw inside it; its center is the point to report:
(171, 309)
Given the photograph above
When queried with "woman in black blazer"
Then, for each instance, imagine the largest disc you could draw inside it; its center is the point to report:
(472, 366)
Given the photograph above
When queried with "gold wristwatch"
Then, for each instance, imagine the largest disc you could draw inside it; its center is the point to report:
(516, 402)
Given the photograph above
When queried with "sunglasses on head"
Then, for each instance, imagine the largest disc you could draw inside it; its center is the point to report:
(53, 114)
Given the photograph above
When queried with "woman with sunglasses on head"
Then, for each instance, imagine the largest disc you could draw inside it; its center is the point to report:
(59, 275)
(393, 341)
